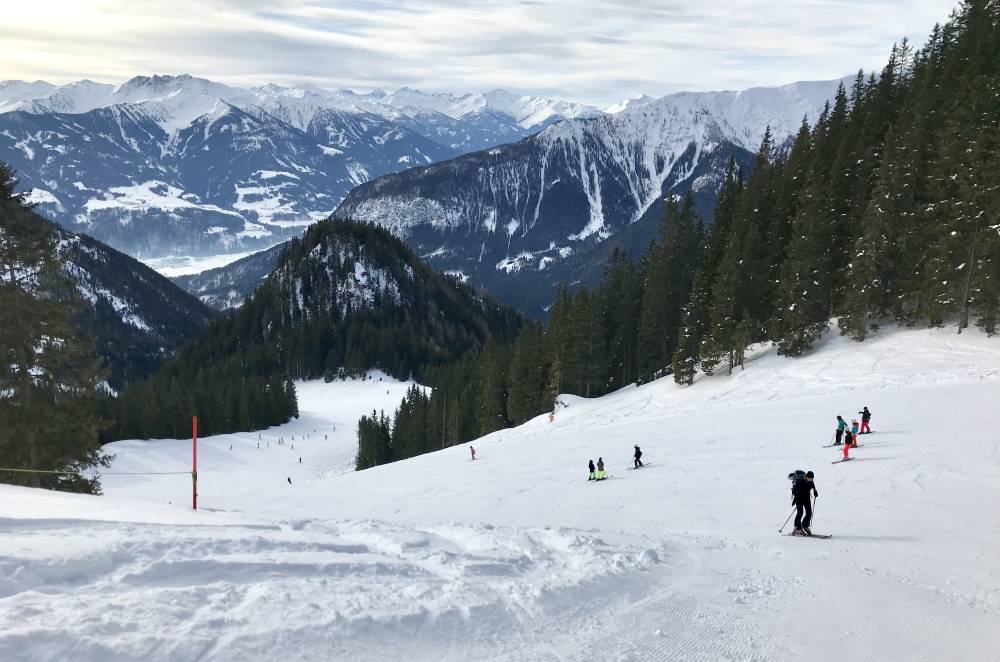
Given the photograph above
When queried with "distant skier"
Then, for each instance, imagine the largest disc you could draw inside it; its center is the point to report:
(300, 460)
(593, 471)
(472, 449)
(600, 469)
(841, 426)
(866, 417)
(289, 480)
(637, 456)
(801, 499)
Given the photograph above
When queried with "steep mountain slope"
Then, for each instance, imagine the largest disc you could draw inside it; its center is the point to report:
(138, 317)
(516, 557)
(177, 165)
(228, 286)
(529, 206)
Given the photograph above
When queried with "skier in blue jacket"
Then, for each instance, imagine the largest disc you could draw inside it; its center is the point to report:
(841, 426)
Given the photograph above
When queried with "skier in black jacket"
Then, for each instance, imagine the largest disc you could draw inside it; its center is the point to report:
(638, 454)
(801, 500)
(866, 417)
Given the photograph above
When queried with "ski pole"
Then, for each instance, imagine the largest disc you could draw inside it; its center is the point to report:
(786, 521)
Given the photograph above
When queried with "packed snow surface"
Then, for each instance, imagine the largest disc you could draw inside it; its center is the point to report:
(516, 556)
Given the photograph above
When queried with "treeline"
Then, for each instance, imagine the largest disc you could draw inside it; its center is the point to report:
(345, 298)
(595, 341)
(886, 210)
(50, 375)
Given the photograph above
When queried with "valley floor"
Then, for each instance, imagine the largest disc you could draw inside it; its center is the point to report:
(516, 556)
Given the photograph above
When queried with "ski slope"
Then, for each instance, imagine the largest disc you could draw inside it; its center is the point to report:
(517, 557)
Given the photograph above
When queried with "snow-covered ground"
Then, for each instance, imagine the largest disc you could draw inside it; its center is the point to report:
(517, 557)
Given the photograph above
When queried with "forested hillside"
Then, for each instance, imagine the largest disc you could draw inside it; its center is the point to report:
(345, 298)
(885, 211)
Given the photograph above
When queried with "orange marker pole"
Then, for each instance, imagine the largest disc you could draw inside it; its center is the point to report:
(194, 462)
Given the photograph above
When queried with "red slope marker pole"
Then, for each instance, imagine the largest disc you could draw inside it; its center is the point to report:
(194, 462)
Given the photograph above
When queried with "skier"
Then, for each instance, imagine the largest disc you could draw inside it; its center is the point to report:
(841, 426)
(472, 450)
(289, 480)
(300, 460)
(847, 448)
(866, 417)
(854, 433)
(638, 454)
(600, 469)
(801, 487)
(593, 471)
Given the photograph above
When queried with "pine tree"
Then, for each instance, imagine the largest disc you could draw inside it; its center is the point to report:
(670, 265)
(695, 317)
(50, 379)
(620, 296)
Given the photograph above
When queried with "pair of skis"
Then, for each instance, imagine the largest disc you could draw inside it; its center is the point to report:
(641, 466)
(825, 536)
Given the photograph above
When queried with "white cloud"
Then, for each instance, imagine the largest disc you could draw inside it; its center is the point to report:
(597, 51)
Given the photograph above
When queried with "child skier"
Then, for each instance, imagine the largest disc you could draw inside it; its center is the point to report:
(593, 471)
(847, 448)
(638, 454)
(841, 426)
(802, 501)
(866, 417)
(472, 449)
(600, 469)
(854, 433)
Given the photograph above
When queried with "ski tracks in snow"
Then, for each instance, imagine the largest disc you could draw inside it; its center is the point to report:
(232, 592)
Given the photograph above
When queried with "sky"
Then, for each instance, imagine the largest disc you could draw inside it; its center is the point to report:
(592, 51)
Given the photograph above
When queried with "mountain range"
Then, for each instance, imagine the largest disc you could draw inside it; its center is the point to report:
(517, 218)
(512, 193)
(178, 165)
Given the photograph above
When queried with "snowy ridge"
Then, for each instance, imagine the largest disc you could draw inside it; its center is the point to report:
(517, 557)
(86, 149)
(178, 100)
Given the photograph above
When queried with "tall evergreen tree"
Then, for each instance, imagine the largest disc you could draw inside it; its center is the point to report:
(49, 374)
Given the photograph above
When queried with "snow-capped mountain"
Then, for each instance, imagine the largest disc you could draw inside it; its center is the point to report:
(513, 218)
(167, 165)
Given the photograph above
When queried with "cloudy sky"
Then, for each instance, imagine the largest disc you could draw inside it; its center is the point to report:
(595, 51)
